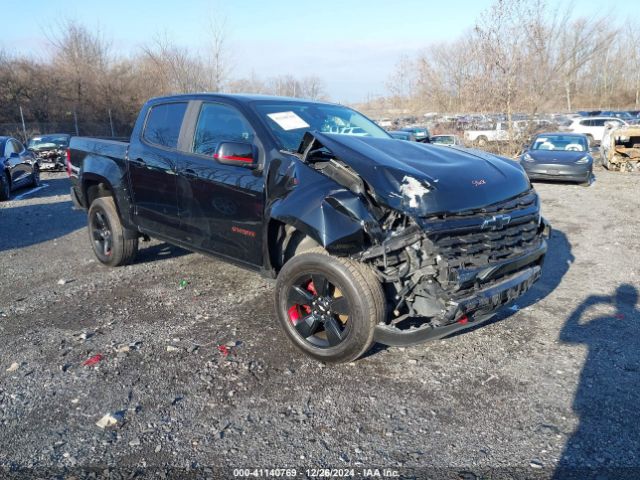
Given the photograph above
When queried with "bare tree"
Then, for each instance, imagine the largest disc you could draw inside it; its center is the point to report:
(219, 63)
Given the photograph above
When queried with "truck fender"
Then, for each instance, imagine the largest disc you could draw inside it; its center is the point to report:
(98, 170)
(318, 207)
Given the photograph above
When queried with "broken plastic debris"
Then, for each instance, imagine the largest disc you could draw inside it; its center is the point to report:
(110, 420)
(14, 366)
(172, 348)
(62, 281)
(224, 350)
(183, 284)
(92, 360)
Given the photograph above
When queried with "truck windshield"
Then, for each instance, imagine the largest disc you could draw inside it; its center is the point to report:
(289, 121)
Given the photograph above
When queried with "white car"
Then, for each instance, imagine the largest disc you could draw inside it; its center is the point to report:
(593, 127)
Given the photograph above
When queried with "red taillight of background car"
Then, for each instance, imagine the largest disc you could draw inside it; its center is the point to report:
(68, 161)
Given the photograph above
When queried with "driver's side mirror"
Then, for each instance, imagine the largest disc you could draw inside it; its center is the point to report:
(236, 153)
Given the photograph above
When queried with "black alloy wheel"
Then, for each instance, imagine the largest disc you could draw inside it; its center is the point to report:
(101, 233)
(35, 176)
(5, 187)
(318, 311)
(329, 306)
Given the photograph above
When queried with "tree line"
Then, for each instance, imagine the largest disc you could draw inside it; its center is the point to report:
(520, 56)
(523, 56)
(82, 84)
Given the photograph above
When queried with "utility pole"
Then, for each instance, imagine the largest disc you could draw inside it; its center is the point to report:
(75, 120)
(111, 124)
(24, 128)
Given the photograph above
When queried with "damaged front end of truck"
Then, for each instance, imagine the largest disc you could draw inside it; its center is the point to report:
(451, 234)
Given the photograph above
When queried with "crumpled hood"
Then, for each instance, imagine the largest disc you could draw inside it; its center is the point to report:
(423, 179)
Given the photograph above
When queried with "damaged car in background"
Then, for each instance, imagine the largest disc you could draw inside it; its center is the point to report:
(620, 148)
(51, 150)
(370, 238)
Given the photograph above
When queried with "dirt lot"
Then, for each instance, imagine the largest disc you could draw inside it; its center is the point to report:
(553, 382)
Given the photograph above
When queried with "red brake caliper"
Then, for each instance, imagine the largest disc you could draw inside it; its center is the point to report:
(294, 310)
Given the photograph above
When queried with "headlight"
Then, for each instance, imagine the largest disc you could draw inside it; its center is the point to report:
(527, 158)
(585, 159)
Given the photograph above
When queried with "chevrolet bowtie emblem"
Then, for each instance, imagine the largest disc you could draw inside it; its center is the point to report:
(496, 222)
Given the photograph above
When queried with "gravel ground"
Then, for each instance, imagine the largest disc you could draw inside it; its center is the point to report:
(551, 383)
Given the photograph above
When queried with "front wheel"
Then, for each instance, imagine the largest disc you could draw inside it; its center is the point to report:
(107, 235)
(328, 306)
(35, 176)
(5, 187)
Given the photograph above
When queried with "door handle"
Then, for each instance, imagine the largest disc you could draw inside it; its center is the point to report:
(138, 160)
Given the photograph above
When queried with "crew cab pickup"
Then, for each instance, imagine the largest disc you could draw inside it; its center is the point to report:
(370, 238)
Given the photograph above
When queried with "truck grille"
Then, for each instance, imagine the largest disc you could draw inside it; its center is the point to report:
(478, 238)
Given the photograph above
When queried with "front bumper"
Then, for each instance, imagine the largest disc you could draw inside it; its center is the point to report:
(499, 284)
(555, 171)
(470, 311)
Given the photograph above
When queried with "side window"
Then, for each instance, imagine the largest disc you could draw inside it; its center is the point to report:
(598, 123)
(18, 146)
(219, 123)
(164, 123)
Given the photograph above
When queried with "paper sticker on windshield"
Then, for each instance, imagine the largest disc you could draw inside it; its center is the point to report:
(288, 120)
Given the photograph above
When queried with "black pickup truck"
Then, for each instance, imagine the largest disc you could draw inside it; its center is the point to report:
(370, 238)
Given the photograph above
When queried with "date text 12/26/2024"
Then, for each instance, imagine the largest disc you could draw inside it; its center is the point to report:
(315, 473)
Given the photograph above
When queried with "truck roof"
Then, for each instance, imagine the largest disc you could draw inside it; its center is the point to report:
(239, 97)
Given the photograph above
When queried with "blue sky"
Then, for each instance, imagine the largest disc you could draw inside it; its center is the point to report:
(351, 44)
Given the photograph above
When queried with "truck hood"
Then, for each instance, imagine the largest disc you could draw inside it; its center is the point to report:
(423, 179)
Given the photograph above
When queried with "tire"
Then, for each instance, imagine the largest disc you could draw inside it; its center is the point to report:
(308, 313)
(5, 187)
(35, 176)
(107, 235)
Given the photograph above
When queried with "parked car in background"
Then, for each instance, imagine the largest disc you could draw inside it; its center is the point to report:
(401, 135)
(593, 127)
(421, 134)
(496, 132)
(19, 167)
(448, 140)
(50, 149)
(558, 156)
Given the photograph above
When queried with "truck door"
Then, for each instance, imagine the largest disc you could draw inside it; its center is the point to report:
(153, 172)
(221, 206)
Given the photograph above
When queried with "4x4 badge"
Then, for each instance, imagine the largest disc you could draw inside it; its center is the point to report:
(496, 222)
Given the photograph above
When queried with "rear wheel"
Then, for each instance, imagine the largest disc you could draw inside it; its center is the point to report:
(107, 235)
(5, 187)
(35, 176)
(328, 306)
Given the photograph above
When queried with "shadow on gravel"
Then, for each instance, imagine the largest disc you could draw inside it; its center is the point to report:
(25, 225)
(556, 264)
(55, 186)
(607, 441)
(158, 252)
